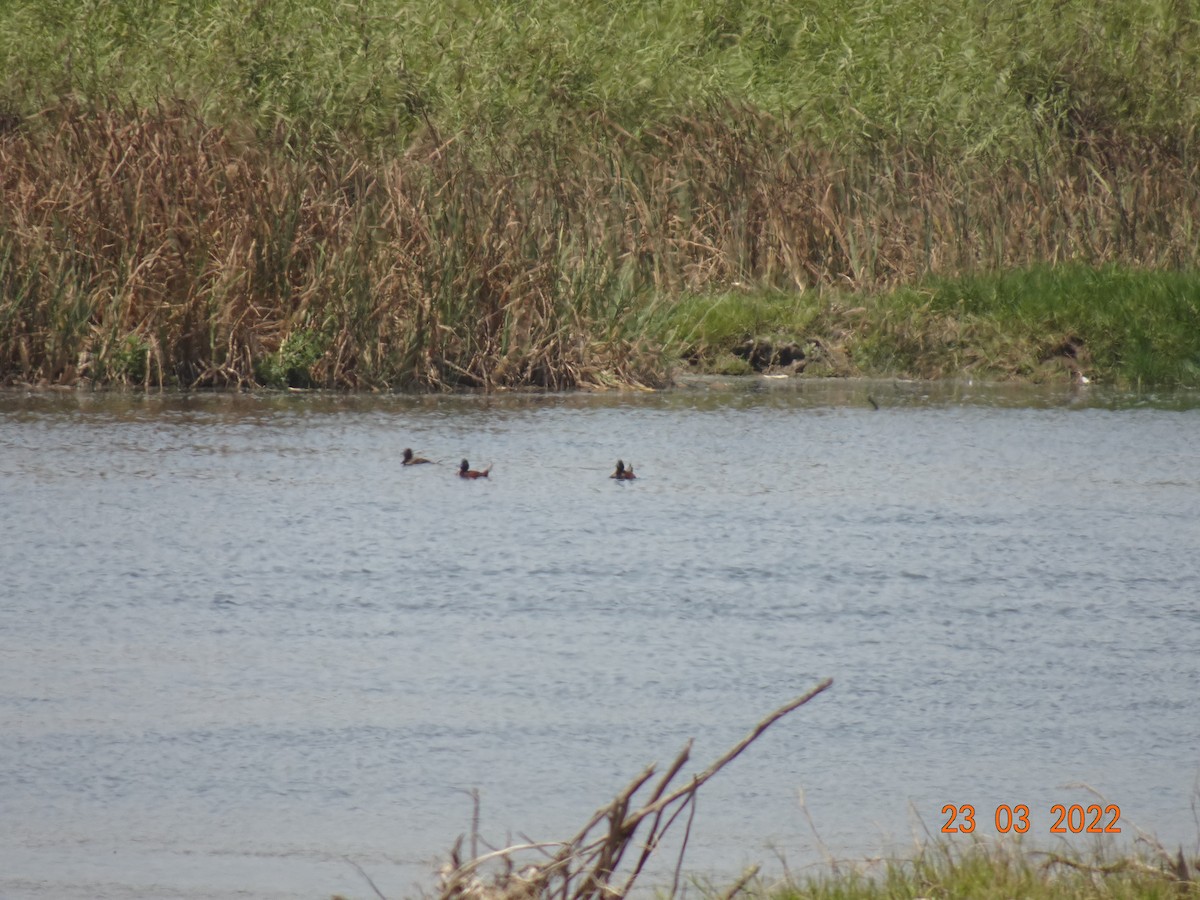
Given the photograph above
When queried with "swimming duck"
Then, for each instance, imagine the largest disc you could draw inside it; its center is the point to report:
(465, 471)
(410, 460)
(622, 473)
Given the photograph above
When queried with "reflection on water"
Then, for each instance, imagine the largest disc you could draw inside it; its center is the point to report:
(242, 645)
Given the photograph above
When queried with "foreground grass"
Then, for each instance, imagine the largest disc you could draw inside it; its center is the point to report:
(1004, 872)
(942, 871)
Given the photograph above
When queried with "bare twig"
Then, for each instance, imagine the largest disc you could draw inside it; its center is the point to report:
(363, 873)
(690, 803)
(734, 752)
(584, 867)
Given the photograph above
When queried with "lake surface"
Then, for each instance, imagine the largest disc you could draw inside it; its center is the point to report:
(243, 649)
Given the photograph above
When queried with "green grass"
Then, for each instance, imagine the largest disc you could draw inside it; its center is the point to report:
(1113, 324)
(1002, 872)
(703, 326)
(1127, 326)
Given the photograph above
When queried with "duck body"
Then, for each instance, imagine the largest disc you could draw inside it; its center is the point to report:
(465, 471)
(410, 460)
(622, 473)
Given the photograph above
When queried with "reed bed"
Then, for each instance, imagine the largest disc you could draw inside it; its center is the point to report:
(964, 78)
(146, 245)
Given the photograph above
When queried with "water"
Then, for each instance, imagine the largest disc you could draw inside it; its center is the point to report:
(243, 650)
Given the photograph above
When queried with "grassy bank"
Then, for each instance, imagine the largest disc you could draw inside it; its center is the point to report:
(503, 195)
(1118, 325)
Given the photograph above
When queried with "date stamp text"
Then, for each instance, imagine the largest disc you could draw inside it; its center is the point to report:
(1074, 819)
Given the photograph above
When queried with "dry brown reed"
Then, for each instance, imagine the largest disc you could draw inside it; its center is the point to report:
(588, 865)
(146, 246)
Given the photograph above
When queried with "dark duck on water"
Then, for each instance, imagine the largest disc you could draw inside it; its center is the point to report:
(465, 471)
(622, 473)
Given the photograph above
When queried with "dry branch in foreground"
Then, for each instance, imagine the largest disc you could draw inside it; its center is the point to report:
(588, 866)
